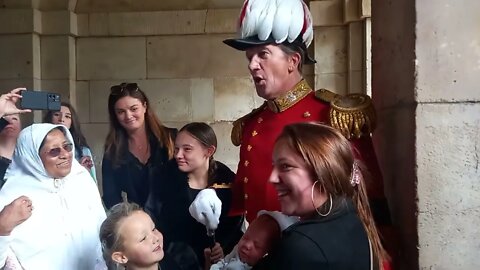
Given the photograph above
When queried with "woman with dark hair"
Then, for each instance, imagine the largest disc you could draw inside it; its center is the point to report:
(194, 171)
(317, 178)
(68, 117)
(136, 148)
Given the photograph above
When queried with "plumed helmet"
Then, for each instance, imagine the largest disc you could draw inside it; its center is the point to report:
(262, 22)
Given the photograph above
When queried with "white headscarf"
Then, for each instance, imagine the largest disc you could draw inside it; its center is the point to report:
(62, 232)
(26, 161)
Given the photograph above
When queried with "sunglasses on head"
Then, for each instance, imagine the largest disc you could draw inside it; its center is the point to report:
(55, 152)
(118, 89)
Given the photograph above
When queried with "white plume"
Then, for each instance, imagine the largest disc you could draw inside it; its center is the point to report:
(265, 24)
(253, 12)
(308, 34)
(281, 18)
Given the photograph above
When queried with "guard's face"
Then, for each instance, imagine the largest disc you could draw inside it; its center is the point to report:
(269, 67)
(56, 154)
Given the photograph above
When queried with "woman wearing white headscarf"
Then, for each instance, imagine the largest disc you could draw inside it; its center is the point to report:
(62, 232)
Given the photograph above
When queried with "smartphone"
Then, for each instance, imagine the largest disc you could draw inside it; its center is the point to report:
(36, 100)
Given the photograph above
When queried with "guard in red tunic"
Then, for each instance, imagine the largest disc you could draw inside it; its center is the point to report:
(275, 36)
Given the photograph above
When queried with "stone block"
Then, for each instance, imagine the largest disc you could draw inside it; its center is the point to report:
(82, 25)
(233, 98)
(355, 46)
(98, 24)
(81, 101)
(111, 58)
(355, 82)
(335, 82)
(53, 4)
(197, 56)
(327, 12)
(331, 50)
(203, 105)
(90, 6)
(170, 98)
(224, 4)
(18, 4)
(36, 57)
(60, 22)
(448, 60)
(99, 92)
(8, 84)
(17, 60)
(58, 57)
(226, 153)
(448, 192)
(17, 21)
(351, 11)
(221, 20)
(156, 23)
(366, 8)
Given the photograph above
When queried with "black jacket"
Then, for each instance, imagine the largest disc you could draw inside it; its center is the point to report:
(336, 242)
(133, 177)
(168, 205)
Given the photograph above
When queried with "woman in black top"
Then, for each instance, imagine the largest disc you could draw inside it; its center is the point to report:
(318, 179)
(194, 170)
(137, 146)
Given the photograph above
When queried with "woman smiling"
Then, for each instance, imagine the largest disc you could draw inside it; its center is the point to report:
(66, 210)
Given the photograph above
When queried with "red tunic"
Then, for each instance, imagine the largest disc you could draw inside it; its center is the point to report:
(253, 192)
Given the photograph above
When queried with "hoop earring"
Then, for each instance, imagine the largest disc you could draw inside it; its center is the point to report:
(313, 202)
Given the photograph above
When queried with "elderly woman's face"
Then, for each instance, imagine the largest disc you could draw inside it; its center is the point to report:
(56, 154)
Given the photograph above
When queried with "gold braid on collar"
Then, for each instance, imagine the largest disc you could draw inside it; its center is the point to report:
(353, 115)
(293, 96)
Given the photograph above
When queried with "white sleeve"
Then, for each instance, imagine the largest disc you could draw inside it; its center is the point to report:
(4, 246)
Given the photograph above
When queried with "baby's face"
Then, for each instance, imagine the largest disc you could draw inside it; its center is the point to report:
(257, 240)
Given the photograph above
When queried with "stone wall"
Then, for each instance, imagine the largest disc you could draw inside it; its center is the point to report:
(172, 49)
(426, 87)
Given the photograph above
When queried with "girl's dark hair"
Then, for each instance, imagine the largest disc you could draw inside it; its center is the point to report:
(204, 133)
(75, 129)
(116, 143)
(109, 236)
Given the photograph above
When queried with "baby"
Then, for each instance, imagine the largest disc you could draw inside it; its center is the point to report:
(258, 240)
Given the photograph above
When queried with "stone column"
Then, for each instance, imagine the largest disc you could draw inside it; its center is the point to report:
(341, 45)
(20, 51)
(425, 82)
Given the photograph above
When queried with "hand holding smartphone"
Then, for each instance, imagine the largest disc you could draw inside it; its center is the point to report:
(36, 100)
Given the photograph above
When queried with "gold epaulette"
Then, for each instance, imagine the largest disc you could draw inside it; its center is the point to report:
(237, 130)
(353, 115)
(325, 95)
(221, 185)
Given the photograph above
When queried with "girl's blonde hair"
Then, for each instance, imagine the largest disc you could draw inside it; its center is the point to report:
(109, 237)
